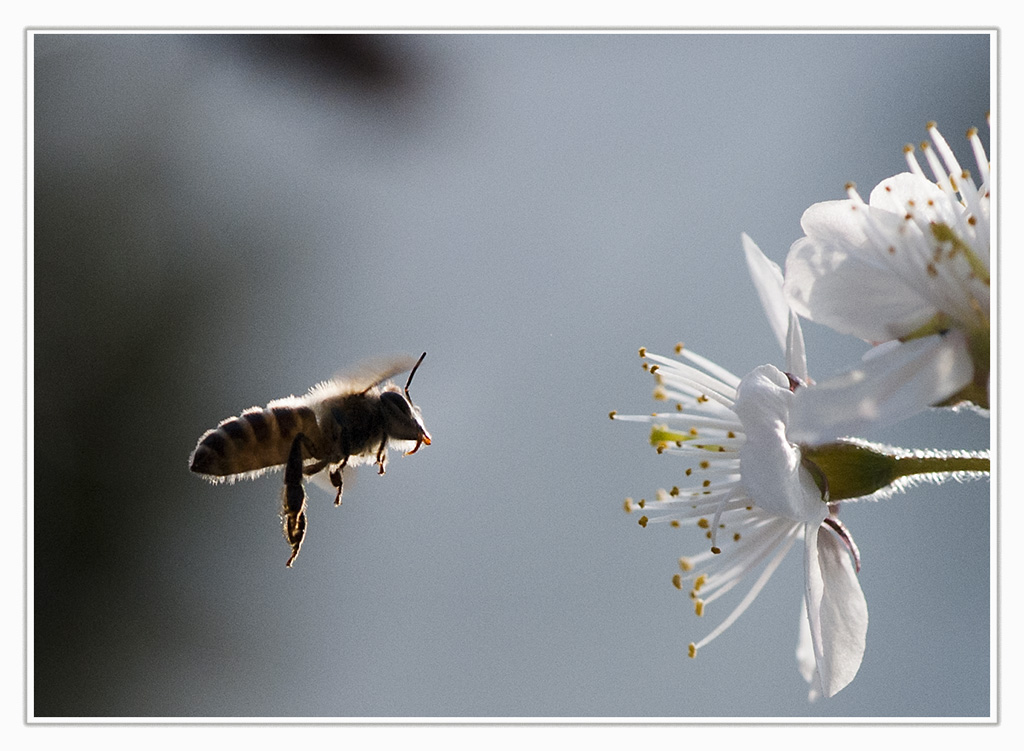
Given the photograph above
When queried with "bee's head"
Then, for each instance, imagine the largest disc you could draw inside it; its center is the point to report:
(401, 417)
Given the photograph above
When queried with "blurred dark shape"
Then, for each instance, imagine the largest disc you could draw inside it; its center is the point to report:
(374, 63)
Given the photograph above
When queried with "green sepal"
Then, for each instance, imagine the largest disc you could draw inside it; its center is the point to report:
(850, 470)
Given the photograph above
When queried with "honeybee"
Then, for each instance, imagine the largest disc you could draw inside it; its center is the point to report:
(348, 420)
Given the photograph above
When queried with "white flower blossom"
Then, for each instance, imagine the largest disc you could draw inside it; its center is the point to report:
(750, 490)
(755, 488)
(909, 268)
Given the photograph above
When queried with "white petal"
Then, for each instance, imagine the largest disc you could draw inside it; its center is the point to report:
(805, 661)
(834, 277)
(770, 467)
(896, 380)
(767, 278)
(837, 611)
(895, 193)
(796, 354)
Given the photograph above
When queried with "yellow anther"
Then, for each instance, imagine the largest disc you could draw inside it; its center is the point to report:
(705, 464)
(628, 505)
(699, 582)
(675, 523)
(685, 565)
(679, 345)
(612, 414)
(654, 368)
(703, 523)
(677, 581)
(736, 537)
(643, 352)
(693, 650)
(698, 608)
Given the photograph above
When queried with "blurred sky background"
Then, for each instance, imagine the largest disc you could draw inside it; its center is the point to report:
(221, 220)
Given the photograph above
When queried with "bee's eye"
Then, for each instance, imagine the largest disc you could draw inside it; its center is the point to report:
(401, 419)
(395, 403)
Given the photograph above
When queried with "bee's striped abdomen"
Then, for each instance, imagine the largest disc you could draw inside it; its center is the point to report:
(257, 439)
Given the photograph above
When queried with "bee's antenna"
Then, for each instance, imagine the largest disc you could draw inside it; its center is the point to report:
(414, 367)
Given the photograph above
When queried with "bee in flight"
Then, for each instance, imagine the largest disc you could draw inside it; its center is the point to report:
(348, 420)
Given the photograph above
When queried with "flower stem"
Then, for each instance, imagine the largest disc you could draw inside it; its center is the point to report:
(921, 465)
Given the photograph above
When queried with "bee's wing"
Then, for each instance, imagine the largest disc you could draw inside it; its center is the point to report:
(365, 375)
(371, 372)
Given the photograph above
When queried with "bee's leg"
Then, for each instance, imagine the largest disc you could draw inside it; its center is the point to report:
(293, 506)
(419, 442)
(335, 475)
(295, 533)
(382, 454)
